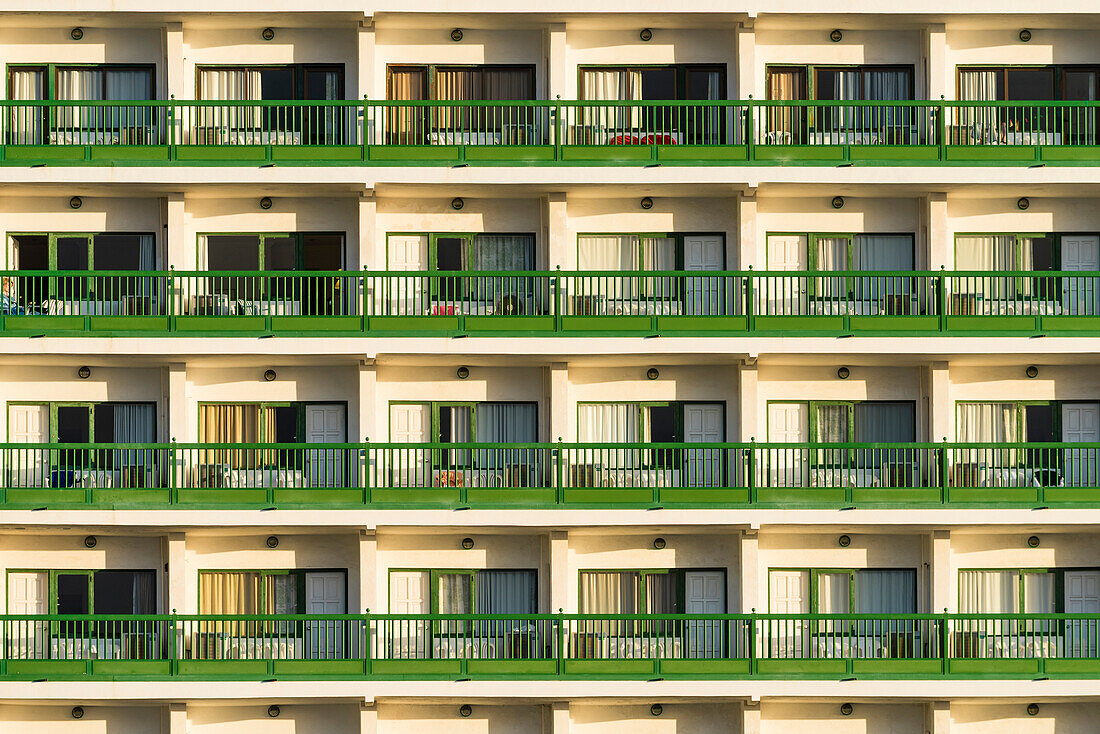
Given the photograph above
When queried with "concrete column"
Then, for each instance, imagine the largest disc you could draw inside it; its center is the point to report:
(750, 573)
(177, 718)
(368, 717)
(559, 717)
(181, 256)
(748, 402)
(366, 53)
(941, 253)
(177, 403)
(939, 717)
(558, 81)
(750, 253)
(371, 253)
(368, 403)
(746, 61)
(559, 253)
(938, 73)
(940, 407)
(370, 596)
(559, 402)
(943, 596)
(750, 717)
(177, 574)
(173, 61)
(559, 571)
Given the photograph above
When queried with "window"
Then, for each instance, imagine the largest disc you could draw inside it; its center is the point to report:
(82, 423)
(102, 592)
(484, 82)
(857, 591)
(263, 422)
(483, 422)
(272, 251)
(261, 592)
(84, 83)
(275, 83)
(650, 591)
(657, 83)
(490, 591)
(1009, 591)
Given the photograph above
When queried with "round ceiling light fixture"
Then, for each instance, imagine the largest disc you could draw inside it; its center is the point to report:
(646, 35)
(646, 202)
(267, 34)
(76, 34)
(456, 35)
(836, 36)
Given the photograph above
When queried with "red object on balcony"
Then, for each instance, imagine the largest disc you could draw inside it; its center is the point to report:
(649, 139)
(443, 309)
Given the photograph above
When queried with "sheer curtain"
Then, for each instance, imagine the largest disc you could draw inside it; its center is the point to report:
(979, 85)
(989, 592)
(832, 255)
(890, 252)
(608, 423)
(884, 422)
(26, 122)
(229, 84)
(506, 592)
(607, 252)
(993, 254)
(609, 592)
(222, 592)
(503, 253)
(134, 422)
(507, 423)
(613, 85)
(236, 424)
(892, 591)
(834, 593)
(832, 424)
(79, 85)
(988, 422)
(282, 594)
(454, 593)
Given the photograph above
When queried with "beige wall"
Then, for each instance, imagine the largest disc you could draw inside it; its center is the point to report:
(997, 718)
(99, 46)
(825, 718)
(330, 718)
(967, 47)
(400, 718)
(52, 719)
(686, 718)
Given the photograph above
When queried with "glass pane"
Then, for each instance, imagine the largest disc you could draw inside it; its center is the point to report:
(661, 424)
(233, 252)
(448, 253)
(324, 84)
(660, 594)
(72, 593)
(704, 84)
(891, 591)
(280, 253)
(454, 423)
(286, 424)
(1039, 593)
(1039, 423)
(1030, 84)
(124, 592)
(1080, 86)
(455, 593)
(323, 252)
(832, 424)
(659, 84)
(882, 422)
(73, 424)
(609, 592)
(277, 84)
(833, 593)
(282, 594)
(72, 253)
(118, 252)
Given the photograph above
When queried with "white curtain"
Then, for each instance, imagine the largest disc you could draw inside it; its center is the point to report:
(989, 592)
(886, 84)
(608, 423)
(454, 593)
(979, 85)
(506, 592)
(883, 252)
(991, 253)
(26, 122)
(891, 591)
(609, 592)
(832, 424)
(1039, 593)
(26, 84)
(988, 422)
(79, 84)
(611, 84)
(507, 423)
(607, 252)
(127, 84)
(229, 84)
(832, 255)
(833, 593)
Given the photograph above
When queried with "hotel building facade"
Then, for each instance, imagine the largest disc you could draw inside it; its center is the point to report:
(506, 368)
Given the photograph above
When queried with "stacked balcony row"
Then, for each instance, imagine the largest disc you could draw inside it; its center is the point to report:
(666, 265)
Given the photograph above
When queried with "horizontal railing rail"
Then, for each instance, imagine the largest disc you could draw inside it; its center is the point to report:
(553, 645)
(540, 302)
(549, 130)
(550, 474)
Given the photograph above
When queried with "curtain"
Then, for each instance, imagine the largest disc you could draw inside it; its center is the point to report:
(407, 125)
(144, 585)
(660, 593)
(989, 592)
(832, 255)
(1039, 593)
(614, 85)
(224, 592)
(506, 423)
(453, 592)
(785, 125)
(236, 424)
(833, 593)
(884, 252)
(993, 254)
(609, 592)
(282, 594)
(506, 592)
(134, 423)
(886, 84)
(228, 84)
(884, 422)
(506, 294)
(982, 123)
(506, 84)
(988, 423)
(891, 591)
(26, 122)
(608, 423)
(978, 85)
(607, 252)
(127, 84)
(832, 424)
(79, 85)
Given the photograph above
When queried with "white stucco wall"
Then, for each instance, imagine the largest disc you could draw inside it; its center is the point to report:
(682, 718)
(18, 718)
(778, 717)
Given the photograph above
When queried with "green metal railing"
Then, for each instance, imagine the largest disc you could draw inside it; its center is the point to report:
(547, 475)
(541, 131)
(552, 646)
(538, 302)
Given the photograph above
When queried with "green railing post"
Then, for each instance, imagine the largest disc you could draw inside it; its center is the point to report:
(750, 137)
(559, 129)
(945, 473)
(944, 638)
(941, 285)
(754, 660)
(559, 495)
(368, 642)
(173, 645)
(753, 489)
(364, 111)
(561, 641)
(941, 128)
(556, 285)
(750, 299)
(174, 463)
(170, 121)
(365, 281)
(366, 476)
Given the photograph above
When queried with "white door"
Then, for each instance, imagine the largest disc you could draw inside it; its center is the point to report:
(410, 423)
(28, 593)
(326, 593)
(788, 593)
(29, 424)
(787, 423)
(326, 424)
(783, 295)
(703, 423)
(705, 593)
(1080, 295)
(408, 639)
(1082, 597)
(404, 296)
(1080, 424)
(703, 293)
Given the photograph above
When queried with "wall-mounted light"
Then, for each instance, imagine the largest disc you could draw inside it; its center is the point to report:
(646, 203)
(838, 202)
(91, 541)
(465, 710)
(272, 541)
(77, 712)
(76, 202)
(84, 373)
(265, 203)
(274, 711)
(456, 35)
(1025, 35)
(76, 34)
(1022, 203)
(646, 34)
(660, 543)
(1033, 541)
(267, 34)
(652, 373)
(844, 373)
(1032, 371)
(457, 203)
(836, 36)
(462, 373)
(467, 543)
(844, 541)
(1033, 709)
(656, 709)
(846, 709)
(269, 375)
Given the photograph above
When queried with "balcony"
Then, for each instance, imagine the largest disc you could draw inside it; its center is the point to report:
(561, 646)
(401, 476)
(448, 303)
(389, 133)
